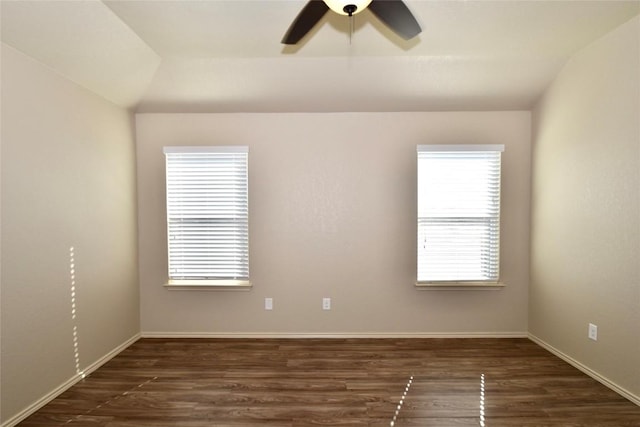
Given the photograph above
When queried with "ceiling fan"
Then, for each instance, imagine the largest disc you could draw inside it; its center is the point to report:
(393, 13)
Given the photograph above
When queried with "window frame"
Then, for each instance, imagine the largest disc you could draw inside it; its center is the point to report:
(458, 282)
(238, 279)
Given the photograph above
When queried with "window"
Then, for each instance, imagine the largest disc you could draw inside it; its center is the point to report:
(459, 213)
(207, 215)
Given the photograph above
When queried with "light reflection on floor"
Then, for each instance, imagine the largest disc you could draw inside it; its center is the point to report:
(482, 400)
(399, 407)
(398, 418)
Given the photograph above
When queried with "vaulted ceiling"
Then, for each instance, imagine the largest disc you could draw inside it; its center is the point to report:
(226, 56)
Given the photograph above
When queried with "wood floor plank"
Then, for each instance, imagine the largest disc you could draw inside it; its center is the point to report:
(337, 382)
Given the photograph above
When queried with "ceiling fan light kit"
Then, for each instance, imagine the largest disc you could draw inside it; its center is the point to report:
(347, 7)
(393, 13)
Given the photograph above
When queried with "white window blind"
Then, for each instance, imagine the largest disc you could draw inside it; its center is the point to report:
(459, 213)
(207, 213)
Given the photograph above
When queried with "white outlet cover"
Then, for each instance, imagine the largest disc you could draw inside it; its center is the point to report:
(593, 332)
(326, 303)
(268, 303)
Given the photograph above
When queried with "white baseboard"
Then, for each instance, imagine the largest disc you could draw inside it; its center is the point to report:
(22, 415)
(277, 335)
(593, 374)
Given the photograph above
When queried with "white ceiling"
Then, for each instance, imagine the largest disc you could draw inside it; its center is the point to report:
(226, 56)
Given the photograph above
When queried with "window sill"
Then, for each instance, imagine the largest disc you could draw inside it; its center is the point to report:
(459, 286)
(208, 285)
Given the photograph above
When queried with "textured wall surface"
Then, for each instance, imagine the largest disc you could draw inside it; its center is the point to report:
(586, 209)
(332, 200)
(68, 230)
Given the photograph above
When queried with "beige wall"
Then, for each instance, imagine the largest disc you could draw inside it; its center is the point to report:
(333, 214)
(68, 179)
(586, 212)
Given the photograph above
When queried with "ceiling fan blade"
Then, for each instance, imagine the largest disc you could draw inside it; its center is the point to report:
(308, 17)
(396, 15)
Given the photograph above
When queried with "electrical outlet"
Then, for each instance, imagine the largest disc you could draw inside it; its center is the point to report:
(593, 332)
(326, 303)
(268, 303)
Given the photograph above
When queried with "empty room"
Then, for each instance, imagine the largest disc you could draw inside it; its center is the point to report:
(293, 212)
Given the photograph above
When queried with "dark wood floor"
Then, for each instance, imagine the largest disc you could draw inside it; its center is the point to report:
(359, 382)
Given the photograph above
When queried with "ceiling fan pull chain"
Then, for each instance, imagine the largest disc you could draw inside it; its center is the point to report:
(351, 25)
(350, 9)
